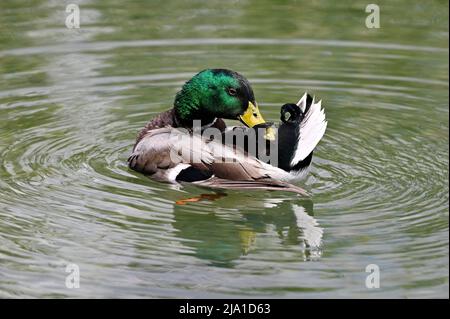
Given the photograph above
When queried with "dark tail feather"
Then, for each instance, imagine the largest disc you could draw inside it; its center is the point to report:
(266, 184)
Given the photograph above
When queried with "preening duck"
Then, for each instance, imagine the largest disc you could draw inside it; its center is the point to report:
(171, 148)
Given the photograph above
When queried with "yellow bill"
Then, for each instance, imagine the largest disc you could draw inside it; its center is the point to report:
(252, 117)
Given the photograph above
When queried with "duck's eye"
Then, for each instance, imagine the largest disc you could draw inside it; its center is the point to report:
(232, 91)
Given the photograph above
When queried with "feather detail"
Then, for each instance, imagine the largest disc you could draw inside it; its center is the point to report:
(266, 184)
(302, 102)
(312, 129)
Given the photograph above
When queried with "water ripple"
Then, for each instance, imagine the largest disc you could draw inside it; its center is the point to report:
(379, 178)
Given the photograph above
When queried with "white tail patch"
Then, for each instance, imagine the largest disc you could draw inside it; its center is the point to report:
(312, 129)
(302, 102)
(172, 173)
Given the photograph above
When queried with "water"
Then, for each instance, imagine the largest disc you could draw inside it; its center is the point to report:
(72, 102)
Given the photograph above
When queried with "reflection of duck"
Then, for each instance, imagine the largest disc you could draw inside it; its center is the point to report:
(225, 234)
(167, 153)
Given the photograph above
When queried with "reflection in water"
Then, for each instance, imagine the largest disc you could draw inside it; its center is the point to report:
(223, 237)
(200, 198)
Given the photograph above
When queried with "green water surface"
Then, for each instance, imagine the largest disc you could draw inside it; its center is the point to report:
(73, 100)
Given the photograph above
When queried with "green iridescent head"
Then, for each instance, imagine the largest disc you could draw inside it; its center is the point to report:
(217, 93)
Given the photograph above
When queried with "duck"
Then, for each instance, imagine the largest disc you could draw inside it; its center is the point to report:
(177, 145)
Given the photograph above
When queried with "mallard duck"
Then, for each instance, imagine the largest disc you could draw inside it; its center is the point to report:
(169, 149)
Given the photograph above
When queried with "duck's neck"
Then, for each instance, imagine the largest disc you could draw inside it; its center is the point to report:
(187, 109)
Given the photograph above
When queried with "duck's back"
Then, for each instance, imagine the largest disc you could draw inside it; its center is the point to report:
(168, 118)
(163, 119)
